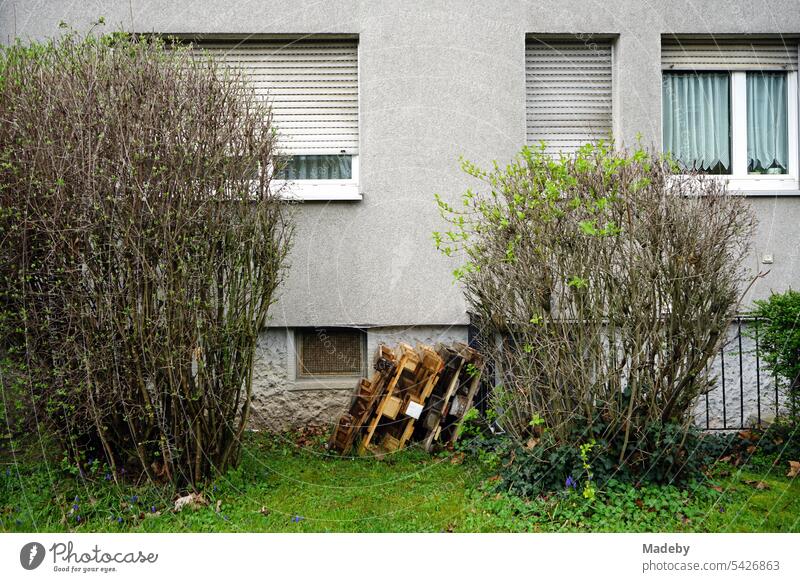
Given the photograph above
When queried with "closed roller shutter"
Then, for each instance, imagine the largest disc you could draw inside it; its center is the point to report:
(709, 55)
(312, 86)
(568, 93)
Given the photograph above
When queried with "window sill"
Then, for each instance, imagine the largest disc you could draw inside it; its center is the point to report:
(765, 185)
(321, 383)
(317, 190)
(767, 193)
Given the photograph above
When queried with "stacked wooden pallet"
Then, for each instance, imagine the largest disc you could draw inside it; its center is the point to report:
(414, 395)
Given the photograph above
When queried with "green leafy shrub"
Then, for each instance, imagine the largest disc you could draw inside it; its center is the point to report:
(617, 506)
(603, 285)
(778, 328)
(533, 470)
(542, 465)
(140, 248)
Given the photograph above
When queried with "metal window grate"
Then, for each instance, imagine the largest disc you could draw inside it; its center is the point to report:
(330, 352)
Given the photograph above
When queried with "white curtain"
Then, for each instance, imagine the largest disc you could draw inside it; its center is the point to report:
(696, 120)
(318, 167)
(767, 123)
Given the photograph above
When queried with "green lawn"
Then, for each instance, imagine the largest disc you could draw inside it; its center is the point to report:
(285, 488)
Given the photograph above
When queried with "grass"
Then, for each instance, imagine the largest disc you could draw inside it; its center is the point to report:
(283, 487)
(747, 509)
(726, 504)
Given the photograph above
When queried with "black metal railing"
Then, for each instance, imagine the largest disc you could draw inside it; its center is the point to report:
(746, 393)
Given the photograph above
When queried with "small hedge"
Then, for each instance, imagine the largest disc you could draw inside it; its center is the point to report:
(778, 328)
(140, 248)
(602, 284)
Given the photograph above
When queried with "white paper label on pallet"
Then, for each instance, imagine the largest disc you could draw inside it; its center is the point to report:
(414, 409)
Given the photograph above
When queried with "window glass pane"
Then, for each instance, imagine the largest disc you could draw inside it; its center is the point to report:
(317, 167)
(767, 123)
(697, 120)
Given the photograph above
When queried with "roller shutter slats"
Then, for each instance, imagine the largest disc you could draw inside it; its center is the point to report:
(729, 55)
(568, 93)
(312, 87)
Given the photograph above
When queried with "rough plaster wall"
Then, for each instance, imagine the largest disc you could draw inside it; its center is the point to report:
(778, 233)
(730, 410)
(413, 335)
(438, 79)
(281, 403)
(270, 377)
(283, 407)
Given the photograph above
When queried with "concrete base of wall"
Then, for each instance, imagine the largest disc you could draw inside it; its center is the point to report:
(283, 402)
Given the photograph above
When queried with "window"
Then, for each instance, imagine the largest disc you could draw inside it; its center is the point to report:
(696, 120)
(730, 108)
(330, 352)
(312, 86)
(767, 123)
(568, 92)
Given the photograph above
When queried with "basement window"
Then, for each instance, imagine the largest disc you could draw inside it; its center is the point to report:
(325, 351)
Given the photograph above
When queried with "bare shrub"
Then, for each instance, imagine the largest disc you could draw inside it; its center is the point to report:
(604, 284)
(141, 247)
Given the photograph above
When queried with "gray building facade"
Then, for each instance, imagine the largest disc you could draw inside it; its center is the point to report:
(438, 80)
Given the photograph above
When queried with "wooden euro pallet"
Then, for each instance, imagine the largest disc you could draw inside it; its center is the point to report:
(415, 395)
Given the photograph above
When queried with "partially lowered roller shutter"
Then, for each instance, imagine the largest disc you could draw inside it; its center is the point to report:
(728, 55)
(311, 84)
(568, 93)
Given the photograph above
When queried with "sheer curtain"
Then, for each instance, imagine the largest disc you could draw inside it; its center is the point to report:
(767, 123)
(318, 167)
(696, 112)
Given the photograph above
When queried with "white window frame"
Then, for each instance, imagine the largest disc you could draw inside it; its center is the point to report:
(329, 190)
(321, 190)
(739, 179)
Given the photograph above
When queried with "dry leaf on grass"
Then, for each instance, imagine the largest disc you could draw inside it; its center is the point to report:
(457, 459)
(794, 469)
(760, 485)
(192, 501)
